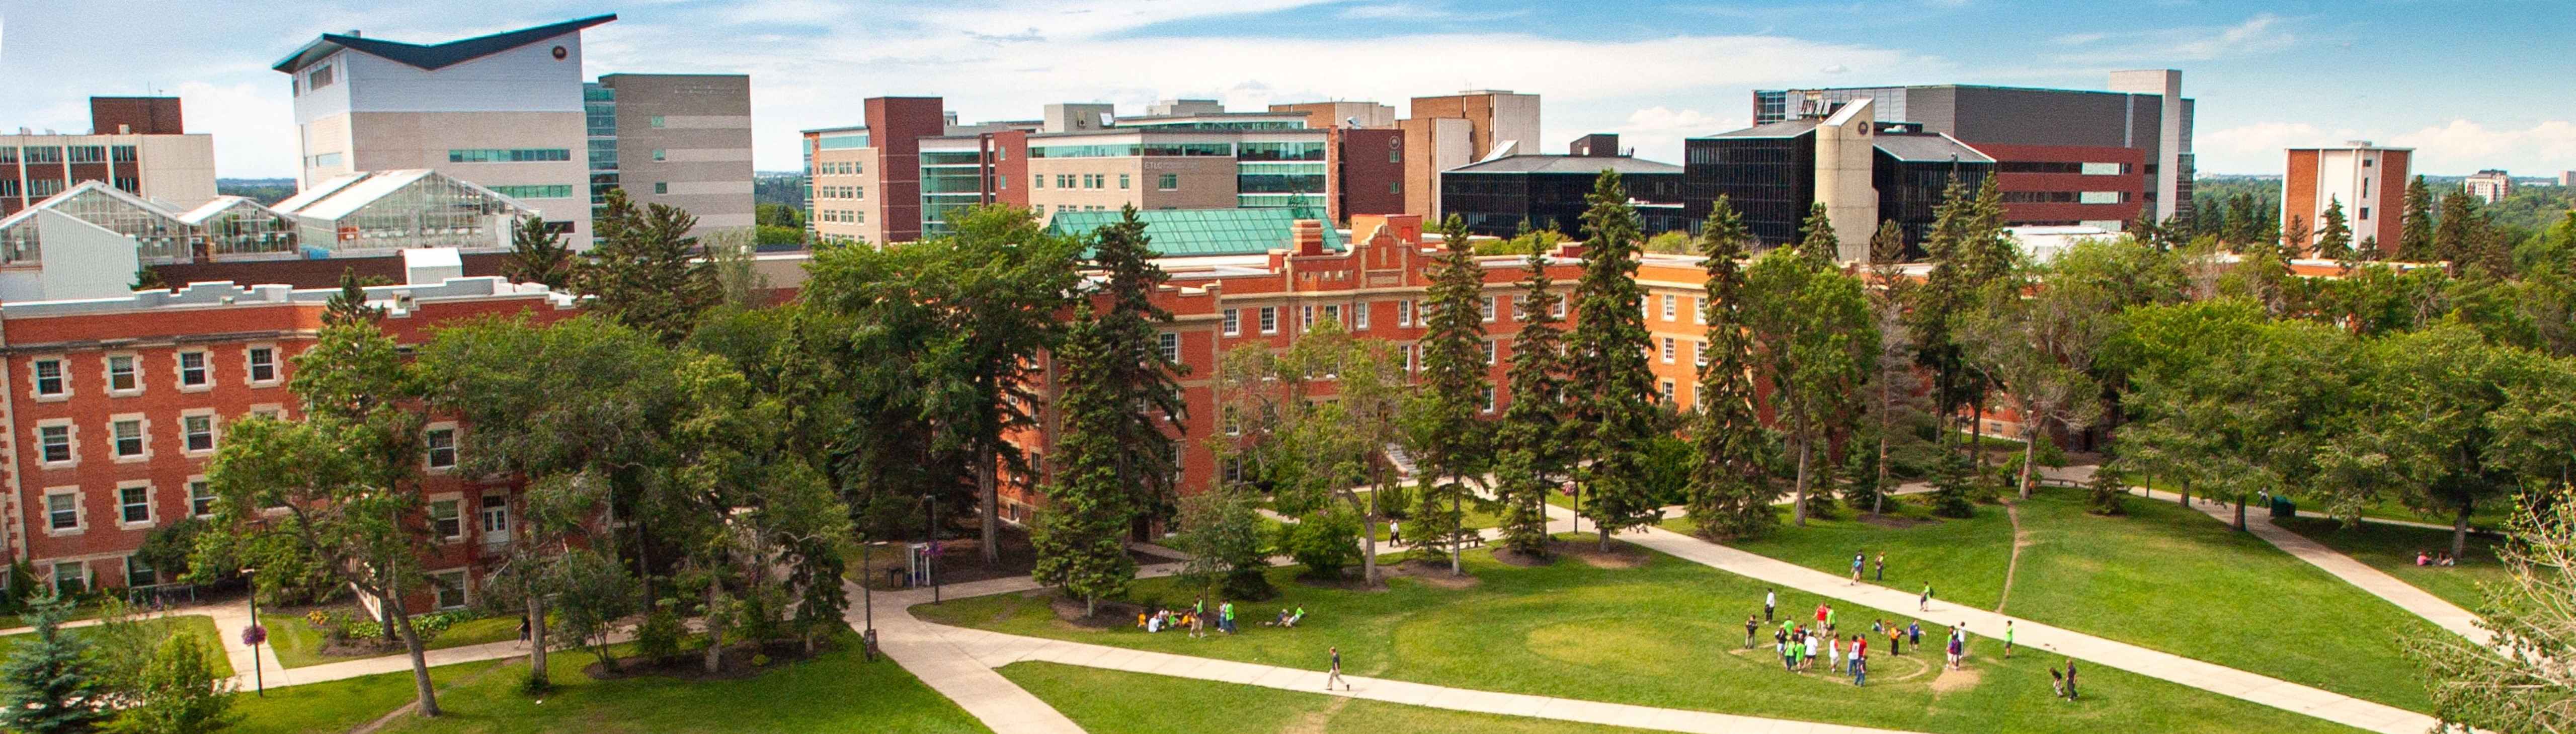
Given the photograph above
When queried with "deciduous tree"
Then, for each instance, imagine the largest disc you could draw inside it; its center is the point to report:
(1813, 339)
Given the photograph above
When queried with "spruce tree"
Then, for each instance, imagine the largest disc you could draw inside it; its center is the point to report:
(1607, 374)
(1531, 455)
(1444, 425)
(349, 306)
(2415, 230)
(538, 255)
(2455, 235)
(1143, 376)
(1968, 250)
(50, 683)
(1818, 241)
(2296, 237)
(2334, 238)
(1729, 496)
(643, 269)
(1081, 537)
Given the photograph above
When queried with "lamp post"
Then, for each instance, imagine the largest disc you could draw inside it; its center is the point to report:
(930, 543)
(868, 601)
(255, 635)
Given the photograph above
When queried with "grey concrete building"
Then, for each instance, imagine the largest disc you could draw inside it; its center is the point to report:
(682, 140)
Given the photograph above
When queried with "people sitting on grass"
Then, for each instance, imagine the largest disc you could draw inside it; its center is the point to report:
(2423, 559)
(1288, 618)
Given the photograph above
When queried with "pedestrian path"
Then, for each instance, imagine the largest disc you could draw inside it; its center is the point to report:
(995, 649)
(2219, 679)
(2405, 595)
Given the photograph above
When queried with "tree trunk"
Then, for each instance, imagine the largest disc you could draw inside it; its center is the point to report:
(1457, 519)
(1801, 510)
(1878, 503)
(2029, 453)
(428, 696)
(1977, 434)
(2460, 531)
(715, 636)
(986, 457)
(2240, 510)
(537, 641)
(2186, 492)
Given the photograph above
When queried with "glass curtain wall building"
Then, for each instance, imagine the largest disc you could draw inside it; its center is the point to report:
(599, 117)
(1278, 174)
(232, 227)
(372, 213)
(951, 181)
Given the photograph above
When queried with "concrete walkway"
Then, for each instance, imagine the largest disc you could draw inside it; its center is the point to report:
(2405, 595)
(2219, 679)
(994, 649)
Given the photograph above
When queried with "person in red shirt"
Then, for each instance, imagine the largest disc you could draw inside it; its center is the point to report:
(1820, 615)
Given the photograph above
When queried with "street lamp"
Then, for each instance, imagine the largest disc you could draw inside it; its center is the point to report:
(255, 634)
(868, 597)
(930, 543)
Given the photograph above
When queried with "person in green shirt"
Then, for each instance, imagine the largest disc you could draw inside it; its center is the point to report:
(2008, 639)
(1225, 617)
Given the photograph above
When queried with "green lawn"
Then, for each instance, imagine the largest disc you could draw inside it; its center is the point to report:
(1667, 634)
(299, 643)
(199, 626)
(834, 692)
(2391, 548)
(1963, 560)
(1144, 704)
(2164, 577)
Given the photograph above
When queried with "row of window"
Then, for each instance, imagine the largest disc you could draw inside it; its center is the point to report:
(129, 438)
(536, 191)
(840, 192)
(2064, 197)
(840, 168)
(843, 216)
(192, 369)
(1408, 313)
(514, 155)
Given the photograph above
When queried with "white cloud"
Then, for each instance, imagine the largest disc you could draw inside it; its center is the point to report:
(2261, 34)
(1656, 132)
(1394, 11)
(2457, 147)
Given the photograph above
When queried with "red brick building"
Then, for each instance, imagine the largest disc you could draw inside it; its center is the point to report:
(115, 407)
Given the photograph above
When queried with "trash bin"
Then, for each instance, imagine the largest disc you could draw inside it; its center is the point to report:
(2283, 508)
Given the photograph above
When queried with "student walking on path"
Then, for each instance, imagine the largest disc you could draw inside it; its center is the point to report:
(2070, 679)
(1924, 604)
(1882, 566)
(2008, 639)
(1336, 675)
(1857, 561)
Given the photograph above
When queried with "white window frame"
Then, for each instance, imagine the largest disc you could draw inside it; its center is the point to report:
(464, 588)
(1333, 312)
(193, 481)
(80, 511)
(1270, 319)
(1169, 342)
(1408, 357)
(430, 511)
(1669, 350)
(1699, 310)
(250, 367)
(1490, 394)
(62, 375)
(483, 513)
(1699, 353)
(1488, 309)
(1306, 317)
(429, 451)
(1360, 316)
(1404, 312)
(1667, 390)
(1558, 309)
(151, 515)
(1672, 306)
(107, 369)
(142, 435)
(272, 410)
(179, 370)
(1233, 322)
(54, 574)
(71, 442)
(214, 431)
(1491, 353)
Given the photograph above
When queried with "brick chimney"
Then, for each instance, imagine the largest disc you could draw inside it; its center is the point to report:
(1308, 236)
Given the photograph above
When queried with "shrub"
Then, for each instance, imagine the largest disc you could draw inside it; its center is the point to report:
(1322, 542)
(658, 638)
(1952, 486)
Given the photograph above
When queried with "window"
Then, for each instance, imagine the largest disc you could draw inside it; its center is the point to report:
(1666, 389)
(1487, 309)
(1122, 182)
(1672, 306)
(2365, 212)
(200, 432)
(1404, 313)
(496, 518)
(1395, 187)
(450, 588)
(1171, 343)
(1306, 317)
(537, 191)
(661, 187)
(49, 378)
(139, 574)
(1489, 398)
(1489, 352)
(1359, 317)
(1395, 155)
(1699, 353)
(56, 441)
(657, 120)
(1233, 322)
(1167, 182)
(1333, 313)
(192, 370)
(1408, 357)
(1699, 310)
(661, 155)
(446, 519)
(320, 77)
(1668, 350)
(201, 498)
(263, 364)
(62, 510)
(1560, 308)
(2365, 188)
(514, 155)
(134, 505)
(1270, 319)
(120, 374)
(71, 577)
(442, 447)
(128, 435)
(2366, 162)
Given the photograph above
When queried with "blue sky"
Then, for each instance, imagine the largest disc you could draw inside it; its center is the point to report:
(2470, 84)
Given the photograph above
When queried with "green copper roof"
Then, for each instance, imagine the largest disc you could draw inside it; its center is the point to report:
(1201, 232)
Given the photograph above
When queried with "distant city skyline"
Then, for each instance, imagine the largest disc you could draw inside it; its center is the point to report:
(2291, 74)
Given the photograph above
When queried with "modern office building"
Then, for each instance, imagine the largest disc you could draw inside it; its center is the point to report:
(1500, 196)
(504, 111)
(1863, 171)
(2062, 157)
(682, 140)
(1445, 132)
(902, 174)
(2490, 185)
(138, 145)
(2368, 180)
(1370, 115)
(2567, 178)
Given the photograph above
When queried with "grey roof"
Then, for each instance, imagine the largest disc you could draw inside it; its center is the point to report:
(1586, 165)
(1930, 147)
(436, 55)
(1781, 129)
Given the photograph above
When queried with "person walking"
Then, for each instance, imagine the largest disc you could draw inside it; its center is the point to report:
(1769, 598)
(1821, 612)
(1882, 566)
(1857, 558)
(1749, 627)
(1924, 604)
(1394, 533)
(2008, 639)
(1225, 617)
(1336, 675)
(2070, 679)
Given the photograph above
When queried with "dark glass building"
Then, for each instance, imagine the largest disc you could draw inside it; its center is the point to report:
(1495, 197)
(1768, 173)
